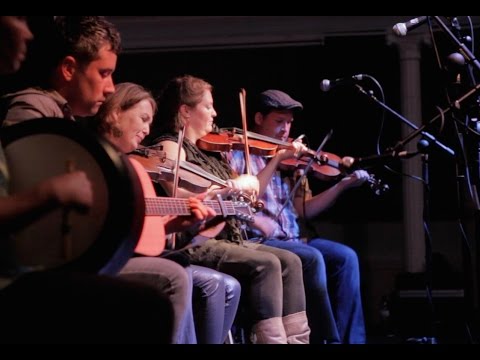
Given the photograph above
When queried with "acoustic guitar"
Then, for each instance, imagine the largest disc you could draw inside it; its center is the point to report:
(152, 238)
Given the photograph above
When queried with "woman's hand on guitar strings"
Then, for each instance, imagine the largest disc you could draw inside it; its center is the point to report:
(200, 215)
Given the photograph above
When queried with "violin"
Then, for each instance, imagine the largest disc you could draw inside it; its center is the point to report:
(328, 167)
(225, 141)
(192, 177)
(325, 167)
(159, 168)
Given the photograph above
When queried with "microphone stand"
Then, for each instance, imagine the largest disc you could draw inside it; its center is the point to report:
(456, 104)
(422, 146)
(469, 182)
(418, 130)
(462, 48)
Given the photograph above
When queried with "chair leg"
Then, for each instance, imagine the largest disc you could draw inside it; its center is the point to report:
(229, 339)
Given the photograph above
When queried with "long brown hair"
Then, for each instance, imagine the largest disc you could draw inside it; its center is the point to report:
(182, 90)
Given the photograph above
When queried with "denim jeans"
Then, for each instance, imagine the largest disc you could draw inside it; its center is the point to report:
(332, 286)
(215, 301)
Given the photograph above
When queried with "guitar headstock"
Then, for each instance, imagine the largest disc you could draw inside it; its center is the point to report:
(243, 210)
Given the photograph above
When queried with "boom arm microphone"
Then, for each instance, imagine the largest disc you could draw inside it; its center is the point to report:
(401, 29)
(353, 163)
(327, 85)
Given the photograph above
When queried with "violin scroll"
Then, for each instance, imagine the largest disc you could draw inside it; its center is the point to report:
(256, 205)
(377, 186)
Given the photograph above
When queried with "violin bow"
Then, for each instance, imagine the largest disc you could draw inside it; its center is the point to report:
(181, 137)
(300, 179)
(243, 111)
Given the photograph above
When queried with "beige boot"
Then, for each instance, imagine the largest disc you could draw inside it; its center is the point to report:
(269, 331)
(296, 328)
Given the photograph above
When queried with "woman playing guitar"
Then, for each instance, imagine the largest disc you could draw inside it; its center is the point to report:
(125, 119)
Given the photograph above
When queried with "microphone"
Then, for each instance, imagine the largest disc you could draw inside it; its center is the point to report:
(327, 85)
(353, 163)
(401, 29)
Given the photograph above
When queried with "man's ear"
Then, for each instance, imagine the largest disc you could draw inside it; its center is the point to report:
(68, 67)
(258, 118)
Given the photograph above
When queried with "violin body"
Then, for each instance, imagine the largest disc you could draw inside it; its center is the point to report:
(331, 171)
(326, 167)
(224, 141)
(159, 168)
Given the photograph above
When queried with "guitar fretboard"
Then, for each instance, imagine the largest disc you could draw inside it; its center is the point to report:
(175, 206)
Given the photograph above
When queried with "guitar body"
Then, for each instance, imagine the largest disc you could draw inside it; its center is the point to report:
(152, 237)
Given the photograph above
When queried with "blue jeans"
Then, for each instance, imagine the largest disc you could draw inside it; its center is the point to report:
(215, 302)
(334, 307)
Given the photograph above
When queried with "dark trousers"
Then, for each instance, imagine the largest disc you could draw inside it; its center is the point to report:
(51, 307)
(272, 281)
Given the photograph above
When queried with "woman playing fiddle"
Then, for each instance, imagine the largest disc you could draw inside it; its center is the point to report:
(336, 316)
(271, 278)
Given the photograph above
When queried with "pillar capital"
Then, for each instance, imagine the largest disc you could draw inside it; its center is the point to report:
(409, 46)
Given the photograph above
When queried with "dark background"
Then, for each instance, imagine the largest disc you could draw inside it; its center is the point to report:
(371, 224)
(355, 121)
(353, 117)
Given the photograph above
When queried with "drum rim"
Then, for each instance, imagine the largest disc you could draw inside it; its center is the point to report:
(124, 221)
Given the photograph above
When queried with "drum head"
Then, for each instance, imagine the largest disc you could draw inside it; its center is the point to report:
(99, 241)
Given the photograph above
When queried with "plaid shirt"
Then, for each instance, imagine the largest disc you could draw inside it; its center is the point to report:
(274, 197)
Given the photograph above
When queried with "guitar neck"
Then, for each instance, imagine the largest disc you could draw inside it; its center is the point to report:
(175, 206)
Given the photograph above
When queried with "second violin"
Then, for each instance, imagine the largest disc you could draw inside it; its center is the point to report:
(227, 139)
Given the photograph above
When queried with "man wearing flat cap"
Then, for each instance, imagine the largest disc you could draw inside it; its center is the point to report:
(335, 317)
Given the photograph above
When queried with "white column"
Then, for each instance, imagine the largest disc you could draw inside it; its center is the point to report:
(409, 48)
